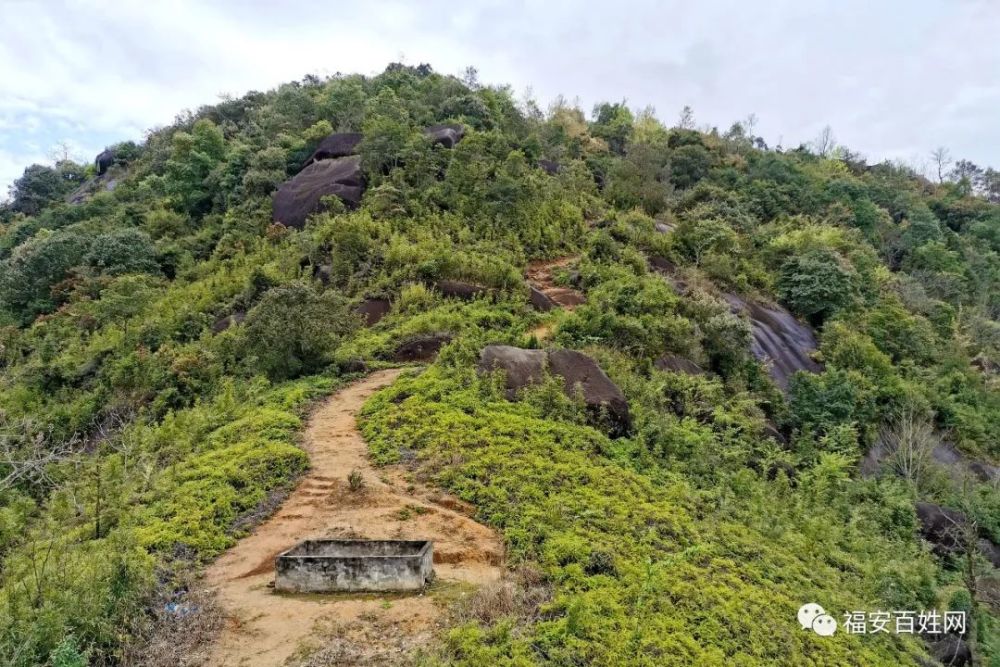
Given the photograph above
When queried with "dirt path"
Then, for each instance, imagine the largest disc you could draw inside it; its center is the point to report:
(266, 628)
(540, 274)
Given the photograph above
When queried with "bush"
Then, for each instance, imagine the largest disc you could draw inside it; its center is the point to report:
(294, 330)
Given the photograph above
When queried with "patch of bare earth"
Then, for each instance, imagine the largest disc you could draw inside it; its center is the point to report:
(541, 274)
(266, 628)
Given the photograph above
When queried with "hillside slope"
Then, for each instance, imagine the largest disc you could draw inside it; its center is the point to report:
(785, 353)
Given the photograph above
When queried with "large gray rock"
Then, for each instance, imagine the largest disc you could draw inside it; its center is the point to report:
(779, 339)
(521, 367)
(540, 300)
(421, 348)
(104, 160)
(952, 651)
(678, 365)
(604, 400)
(300, 196)
(373, 310)
(460, 290)
(338, 144)
(446, 135)
(942, 527)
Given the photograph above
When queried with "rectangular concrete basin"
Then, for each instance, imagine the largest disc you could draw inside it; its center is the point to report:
(325, 566)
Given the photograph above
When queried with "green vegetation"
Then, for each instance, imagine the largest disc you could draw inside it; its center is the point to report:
(160, 342)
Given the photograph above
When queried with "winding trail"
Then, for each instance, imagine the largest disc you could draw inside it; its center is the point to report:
(267, 628)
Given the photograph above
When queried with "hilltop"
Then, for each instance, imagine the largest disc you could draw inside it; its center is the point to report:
(691, 381)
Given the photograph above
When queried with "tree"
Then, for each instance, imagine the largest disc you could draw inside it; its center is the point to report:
(817, 283)
(824, 143)
(294, 330)
(686, 119)
(941, 157)
(193, 158)
(40, 186)
(613, 123)
(122, 251)
(908, 441)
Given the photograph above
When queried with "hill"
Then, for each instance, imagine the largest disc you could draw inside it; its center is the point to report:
(747, 378)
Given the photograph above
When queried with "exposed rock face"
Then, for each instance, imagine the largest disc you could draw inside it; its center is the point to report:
(941, 526)
(549, 167)
(446, 135)
(944, 454)
(665, 227)
(300, 196)
(678, 365)
(540, 300)
(945, 529)
(338, 144)
(224, 323)
(460, 290)
(522, 367)
(952, 651)
(421, 348)
(605, 401)
(104, 160)
(373, 310)
(778, 339)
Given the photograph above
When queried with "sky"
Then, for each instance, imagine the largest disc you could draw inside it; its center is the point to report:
(894, 79)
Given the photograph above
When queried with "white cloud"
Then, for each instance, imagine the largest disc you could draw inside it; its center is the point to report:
(893, 78)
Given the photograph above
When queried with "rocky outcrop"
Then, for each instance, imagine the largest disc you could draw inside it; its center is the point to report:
(336, 145)
(446, 135)
(665, 227)
(224, 323)
(942, 527)
(104, 160)
(540, 300)
(373, 310)
(301, 195)
(951, 651)
(678, 365)
(779, 340)
(947, 530)
(421, 348)
(460, 290)
(549, 167)
(605, 402)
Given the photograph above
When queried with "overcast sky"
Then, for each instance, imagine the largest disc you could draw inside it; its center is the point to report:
(894, 78)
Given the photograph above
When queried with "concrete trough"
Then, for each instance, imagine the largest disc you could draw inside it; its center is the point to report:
(327, 566)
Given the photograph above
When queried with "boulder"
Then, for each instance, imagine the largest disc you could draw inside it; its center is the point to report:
(460, 290)
(540, 300)
(446, 135)
(300, 196)
(678, 365)
(104, 160)
(224, 323)
(522, 367)
(549, 167)
(336, 145)
(942, 527)
(600, 394)
(778, 339)
(351, 366)
(373, 310)
(604, 400)
(990, 551)
(952, 651)
(665, 227)
(323, 273)
(984, 472)
(421, 348)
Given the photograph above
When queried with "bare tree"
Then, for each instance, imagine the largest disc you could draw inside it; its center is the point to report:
(825, 142)
(908, 440)
(686, 119)
(27, 453)
(941, 157)
(750, 125)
